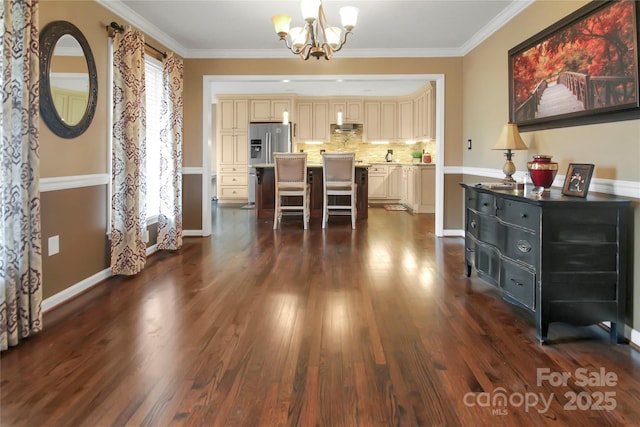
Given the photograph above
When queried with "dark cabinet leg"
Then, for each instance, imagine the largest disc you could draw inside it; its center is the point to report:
(616, 333)
(543, 330)
(467, 265)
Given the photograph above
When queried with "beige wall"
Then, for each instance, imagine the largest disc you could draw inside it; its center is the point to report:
(613, 147)
(78, 216)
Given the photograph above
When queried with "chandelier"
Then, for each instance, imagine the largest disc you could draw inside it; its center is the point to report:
(317, 38)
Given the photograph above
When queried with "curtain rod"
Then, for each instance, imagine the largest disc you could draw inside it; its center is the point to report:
(114, 26)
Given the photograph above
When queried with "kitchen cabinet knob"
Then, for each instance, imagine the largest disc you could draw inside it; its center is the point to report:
(523, 215)
(473, 224)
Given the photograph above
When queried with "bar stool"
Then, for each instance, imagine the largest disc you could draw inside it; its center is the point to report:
(338, 180)
(291, 180)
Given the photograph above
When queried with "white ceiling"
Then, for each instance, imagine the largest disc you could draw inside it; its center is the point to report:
(386, 28)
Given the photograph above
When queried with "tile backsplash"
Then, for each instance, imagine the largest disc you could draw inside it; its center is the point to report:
(367, 152)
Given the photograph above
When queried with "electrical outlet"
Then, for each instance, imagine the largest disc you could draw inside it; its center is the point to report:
(468, 144)
(54, 245)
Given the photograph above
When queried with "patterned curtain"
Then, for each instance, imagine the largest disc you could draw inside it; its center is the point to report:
(128, 214)
(20, 238)
(170, 216)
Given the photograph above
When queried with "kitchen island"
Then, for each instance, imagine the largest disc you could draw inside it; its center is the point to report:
(265, 190)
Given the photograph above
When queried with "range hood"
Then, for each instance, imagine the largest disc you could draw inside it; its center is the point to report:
(346, 129)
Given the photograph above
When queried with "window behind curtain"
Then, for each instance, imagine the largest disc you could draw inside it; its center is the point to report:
(153, 82)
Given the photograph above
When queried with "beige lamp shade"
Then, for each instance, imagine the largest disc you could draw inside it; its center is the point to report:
(281, 23)
(510, 139)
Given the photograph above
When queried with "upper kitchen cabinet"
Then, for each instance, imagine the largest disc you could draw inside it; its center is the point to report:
(424, 114)
(351, 110)
(312, 120)
(233, 115)
(270, 109)
(380, 119)
(406, 119)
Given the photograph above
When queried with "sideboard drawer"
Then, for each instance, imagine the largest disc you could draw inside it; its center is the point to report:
(518, 213)
(486, 203)
(522, 245)
(519, 283)
(472, 224)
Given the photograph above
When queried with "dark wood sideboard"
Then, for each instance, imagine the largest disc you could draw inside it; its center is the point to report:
(265, 191)
(564, 259)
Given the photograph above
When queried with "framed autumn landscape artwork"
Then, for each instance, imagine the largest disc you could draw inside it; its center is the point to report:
(581, 70)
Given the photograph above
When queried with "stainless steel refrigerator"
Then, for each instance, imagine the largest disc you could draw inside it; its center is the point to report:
(264, 140)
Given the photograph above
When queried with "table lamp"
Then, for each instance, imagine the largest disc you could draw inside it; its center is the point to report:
(509, 140)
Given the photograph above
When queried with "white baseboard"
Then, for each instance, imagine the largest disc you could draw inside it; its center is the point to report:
(635, 337)
(192, 233)
(453, 233)
(74, 290)
(78, 288)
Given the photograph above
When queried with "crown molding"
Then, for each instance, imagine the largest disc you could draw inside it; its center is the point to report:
(350, 53)
(495, 24)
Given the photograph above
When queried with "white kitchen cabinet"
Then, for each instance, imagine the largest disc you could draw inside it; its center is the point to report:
(385, 182)
(380, 118)
(405, 120)
(426, 189)
(394, 182)
(232, 149)
(351, 110)
(409, 189)
(233, 115)
(233, 170)
(269, 109)
(378, 181)
(312, 121)
(424, 114)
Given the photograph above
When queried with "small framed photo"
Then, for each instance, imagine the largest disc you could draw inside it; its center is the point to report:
(576, 182)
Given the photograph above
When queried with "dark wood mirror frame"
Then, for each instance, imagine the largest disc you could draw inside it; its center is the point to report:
(49, 36)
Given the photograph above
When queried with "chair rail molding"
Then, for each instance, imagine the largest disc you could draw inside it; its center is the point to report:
(73, 181)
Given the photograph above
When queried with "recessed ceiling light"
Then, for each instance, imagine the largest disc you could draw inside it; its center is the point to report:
(286, 81)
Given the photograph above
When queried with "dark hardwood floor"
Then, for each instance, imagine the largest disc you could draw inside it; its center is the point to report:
(254, 327)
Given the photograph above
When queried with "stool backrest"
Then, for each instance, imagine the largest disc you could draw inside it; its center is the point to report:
(339, 167)
(290, 168)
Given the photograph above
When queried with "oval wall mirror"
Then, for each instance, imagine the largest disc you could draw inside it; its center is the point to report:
(68, 79)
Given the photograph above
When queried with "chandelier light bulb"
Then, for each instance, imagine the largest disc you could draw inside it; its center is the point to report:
(298, 37)
(310, 9)
(349, 17)
(281, 23)
(333, 36)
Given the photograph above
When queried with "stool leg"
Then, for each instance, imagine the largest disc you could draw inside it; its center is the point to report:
(354, 212)
(325, 208)
(305, 217)
(275, 212)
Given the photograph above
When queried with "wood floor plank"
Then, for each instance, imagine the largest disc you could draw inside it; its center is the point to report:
(376, 326)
